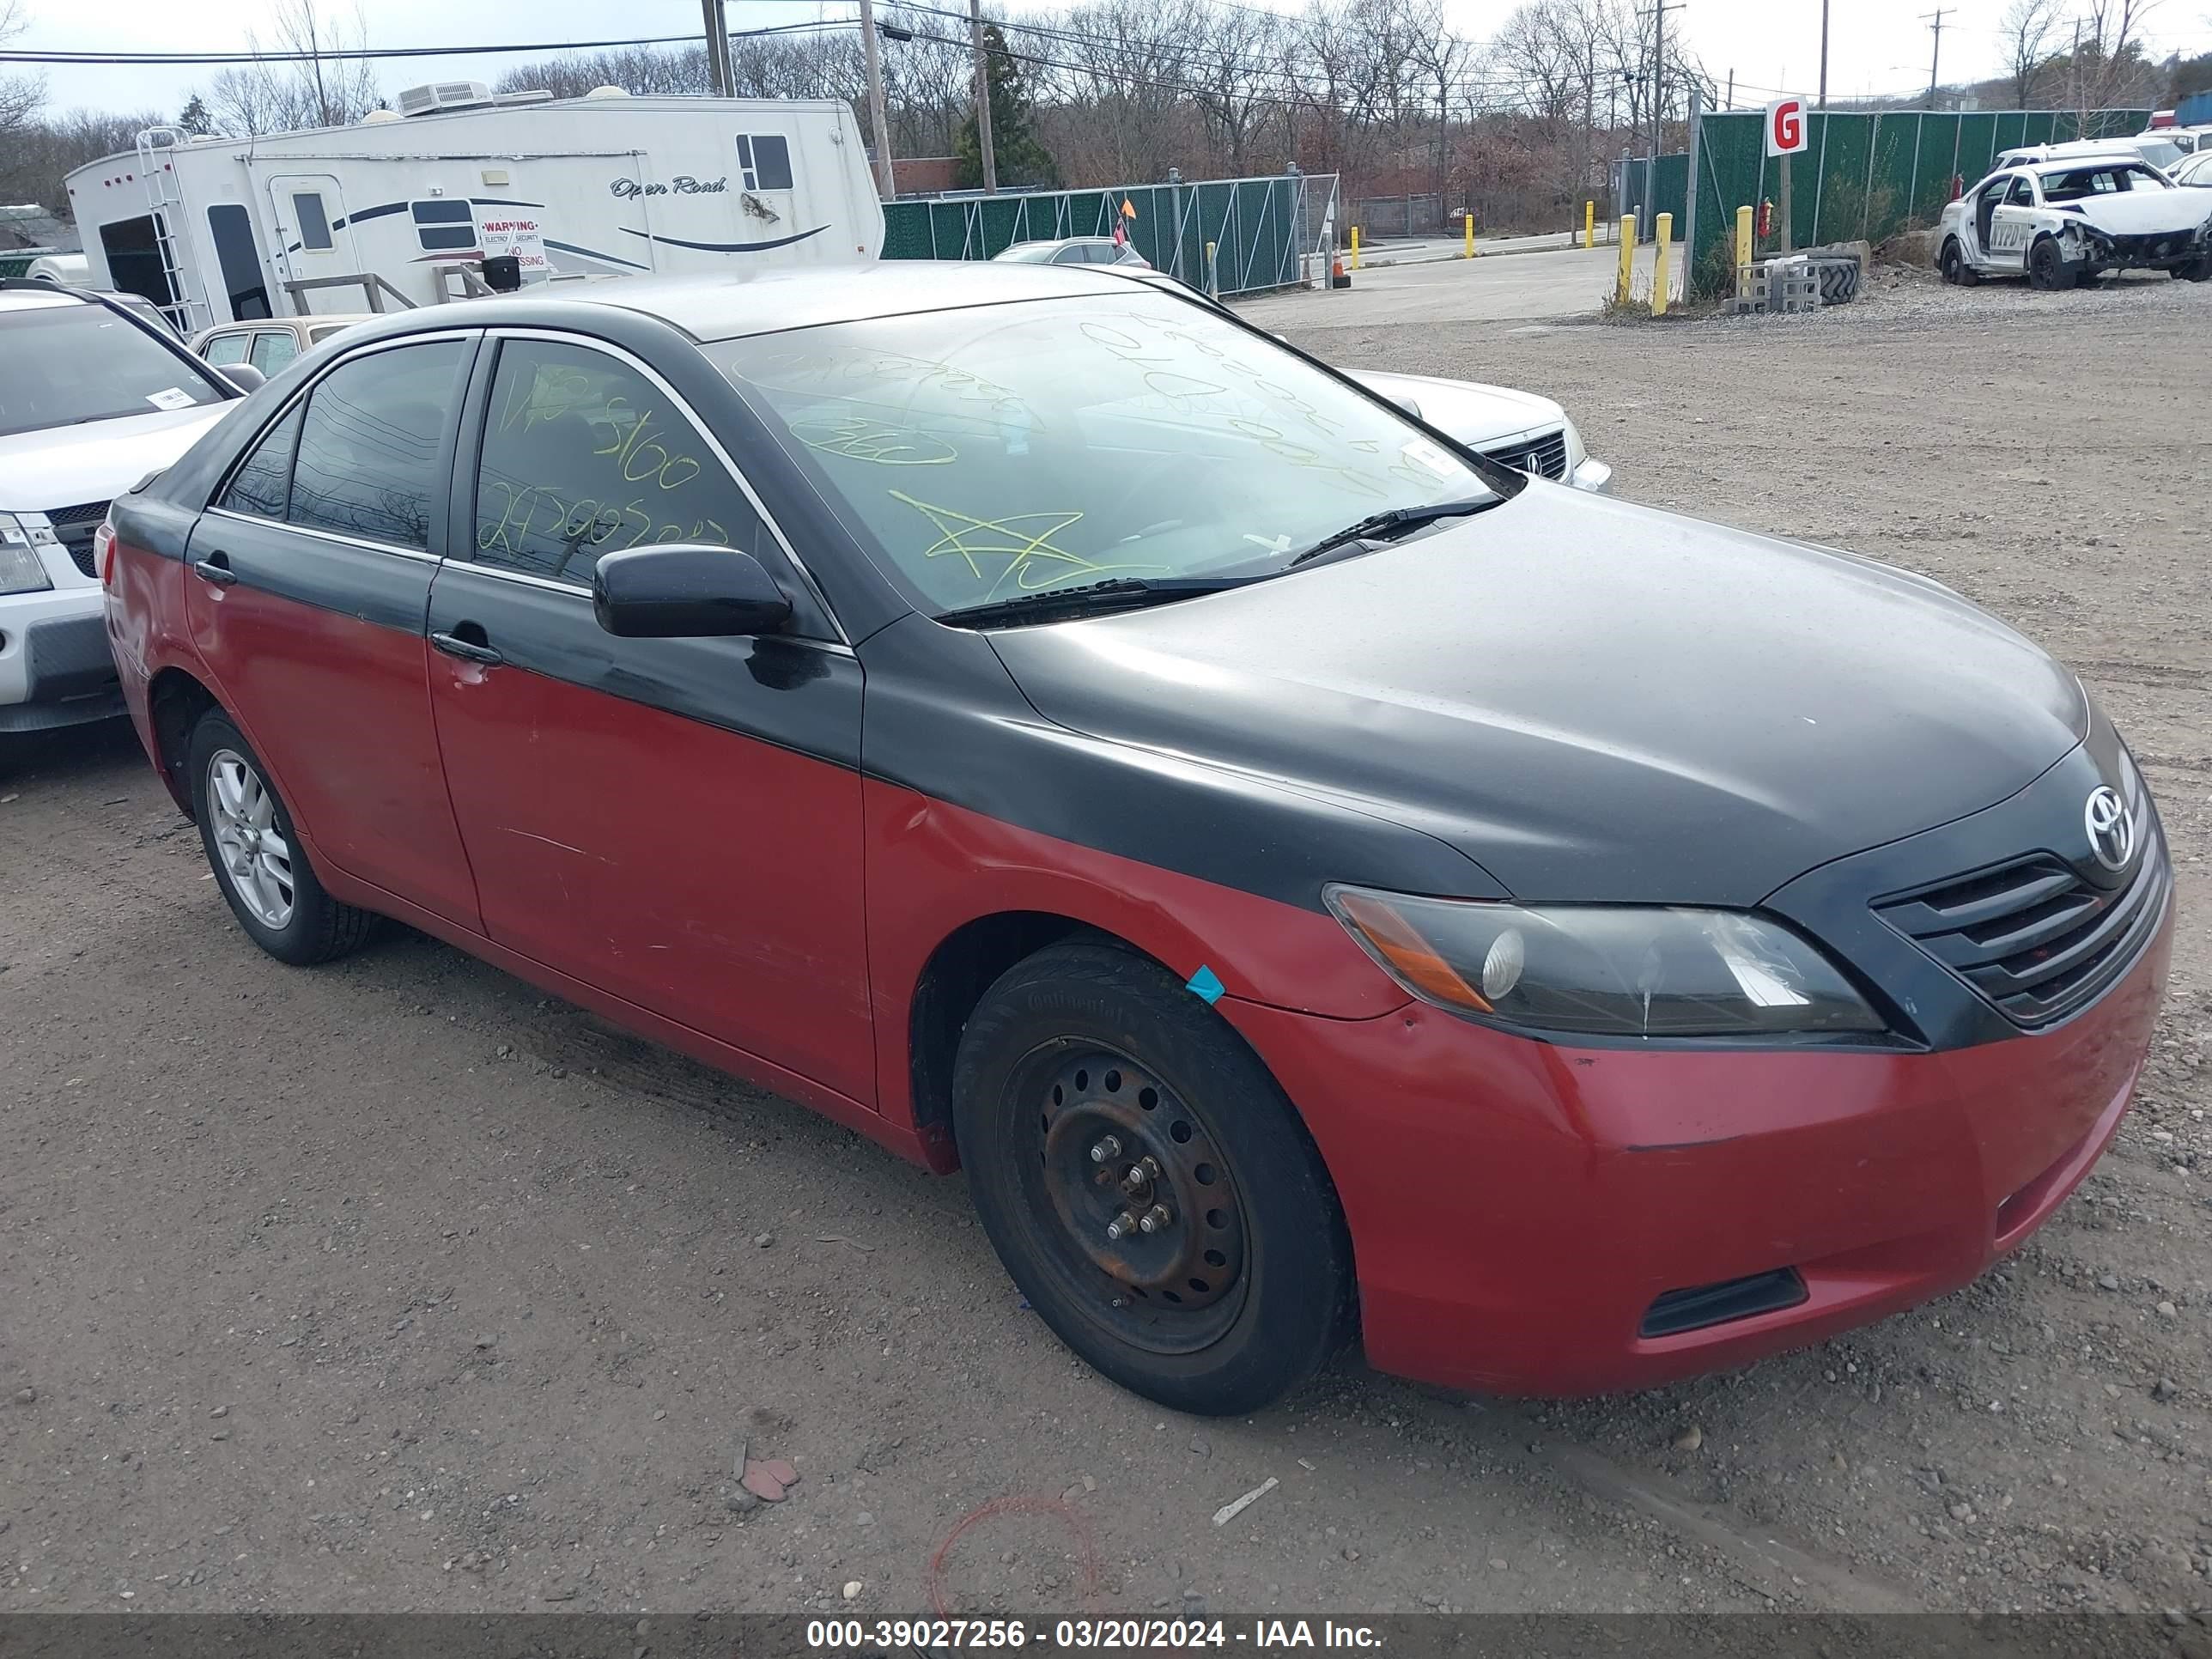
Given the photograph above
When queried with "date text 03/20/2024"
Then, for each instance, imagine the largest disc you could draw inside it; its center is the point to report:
(1153, 1634)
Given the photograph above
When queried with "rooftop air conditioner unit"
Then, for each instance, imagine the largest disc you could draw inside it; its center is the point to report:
(443, 95)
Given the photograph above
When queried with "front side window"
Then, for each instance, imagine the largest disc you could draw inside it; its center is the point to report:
(444, 226)
(313, 220)
(999, 451)
(72, 361)
(584, 456)
(225, 349)
(259, 485)
(764, 160)
(368, 449)
(273, 348)
(2021, 194)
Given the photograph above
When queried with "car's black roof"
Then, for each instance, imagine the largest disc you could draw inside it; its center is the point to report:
(727, 307)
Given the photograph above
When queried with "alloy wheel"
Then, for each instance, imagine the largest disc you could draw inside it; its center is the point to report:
(256, 860)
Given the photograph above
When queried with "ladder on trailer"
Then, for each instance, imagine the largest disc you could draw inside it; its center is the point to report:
(187, 308)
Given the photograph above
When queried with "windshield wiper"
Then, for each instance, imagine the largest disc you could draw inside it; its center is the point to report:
(1392, 521)
(1094, 599)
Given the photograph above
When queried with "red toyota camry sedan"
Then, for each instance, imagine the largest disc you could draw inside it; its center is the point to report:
(1319, 885)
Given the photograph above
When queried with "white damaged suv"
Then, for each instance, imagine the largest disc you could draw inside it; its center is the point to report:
(92, 399)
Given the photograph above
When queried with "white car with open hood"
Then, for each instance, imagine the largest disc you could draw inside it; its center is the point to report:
(2067, 220)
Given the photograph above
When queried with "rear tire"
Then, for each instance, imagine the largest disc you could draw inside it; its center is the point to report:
(256, 854)
(1092, 1087)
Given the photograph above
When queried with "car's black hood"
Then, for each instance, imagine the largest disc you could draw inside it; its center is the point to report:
(1592, 700)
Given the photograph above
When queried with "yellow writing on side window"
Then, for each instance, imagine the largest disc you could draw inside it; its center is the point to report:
(529, 517)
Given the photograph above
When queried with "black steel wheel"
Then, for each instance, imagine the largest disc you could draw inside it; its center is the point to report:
(1147, 1184)
(1953, 264)
(2046, 267)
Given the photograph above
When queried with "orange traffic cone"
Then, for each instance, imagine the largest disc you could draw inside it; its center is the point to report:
(1337, 276)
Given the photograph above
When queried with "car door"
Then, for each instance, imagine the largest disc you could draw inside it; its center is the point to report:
(676, 822)
(2012, 225)
(311, 572)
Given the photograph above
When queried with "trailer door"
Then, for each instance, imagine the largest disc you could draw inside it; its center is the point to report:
(313, 239)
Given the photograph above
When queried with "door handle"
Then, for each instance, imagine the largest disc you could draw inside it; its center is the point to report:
(467, 650)
(215, 569)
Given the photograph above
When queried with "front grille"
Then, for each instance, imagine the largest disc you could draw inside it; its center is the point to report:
(1695, 1309)
(73, 528)
(1545, 456)
(2032, 936)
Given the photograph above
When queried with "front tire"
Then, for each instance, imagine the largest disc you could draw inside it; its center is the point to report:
(2198, 270)
(1953, 264)
(2046, 267)
(256, 854)
(1147, 1184)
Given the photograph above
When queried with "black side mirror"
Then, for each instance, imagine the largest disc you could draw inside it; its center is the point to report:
(244, 376)
(680, 591)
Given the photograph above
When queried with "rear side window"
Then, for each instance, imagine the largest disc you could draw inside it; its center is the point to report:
(583, 455)
(226, 348)
(258, 486)
(368, 450)
(272, 349)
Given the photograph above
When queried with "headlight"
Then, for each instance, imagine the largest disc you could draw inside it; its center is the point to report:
(21, 571)
(1604, 970)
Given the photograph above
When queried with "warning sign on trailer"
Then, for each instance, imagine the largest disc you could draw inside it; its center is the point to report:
(500, 231)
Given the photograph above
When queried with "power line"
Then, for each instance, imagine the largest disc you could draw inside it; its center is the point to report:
(40, 55)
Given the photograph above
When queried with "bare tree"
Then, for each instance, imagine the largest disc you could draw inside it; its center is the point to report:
(306, 88)
(2109, 67)
(21, 95)
(2028, 27)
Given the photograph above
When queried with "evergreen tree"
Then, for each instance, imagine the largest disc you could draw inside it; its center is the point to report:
(1021, 158)
(195, 119)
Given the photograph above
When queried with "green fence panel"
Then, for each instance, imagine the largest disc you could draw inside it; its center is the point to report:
(1862, 174)
(1257, 227)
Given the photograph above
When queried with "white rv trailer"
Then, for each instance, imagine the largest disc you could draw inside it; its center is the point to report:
(405, 207)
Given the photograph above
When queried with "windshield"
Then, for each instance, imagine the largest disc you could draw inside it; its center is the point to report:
(2160, 153)
(70, 363)
(2103, 179)
(996, 450)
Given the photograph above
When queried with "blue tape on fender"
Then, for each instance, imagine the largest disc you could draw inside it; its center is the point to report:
(1206, 985)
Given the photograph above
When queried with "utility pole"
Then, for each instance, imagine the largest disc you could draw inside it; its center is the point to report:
(873, 58)
(983, 97)
(1935, 58)
(1659, 10)
(1823, 104)
(718, 49)
(1731, 92)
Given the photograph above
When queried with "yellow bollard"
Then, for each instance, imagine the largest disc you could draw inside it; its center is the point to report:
(1589, 225)
(1742, 251)
(1355, 248)
(1467, 223)
(1663, 235)
(1627, 257)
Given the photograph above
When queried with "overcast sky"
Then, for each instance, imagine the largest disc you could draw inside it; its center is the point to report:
(1875, 45)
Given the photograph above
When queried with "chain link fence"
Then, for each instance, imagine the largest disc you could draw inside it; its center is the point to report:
(1264, 232)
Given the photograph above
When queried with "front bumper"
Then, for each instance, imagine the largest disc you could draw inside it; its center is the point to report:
(55, 667)
(1517, 1207)
(2164, 251)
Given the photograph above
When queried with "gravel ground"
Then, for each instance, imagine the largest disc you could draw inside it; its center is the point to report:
(394, 1285)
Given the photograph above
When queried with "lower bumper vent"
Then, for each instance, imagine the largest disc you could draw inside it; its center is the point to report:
(1693, 1309)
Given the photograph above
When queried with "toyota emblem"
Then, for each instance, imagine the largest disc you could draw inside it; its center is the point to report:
(2112, 827)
